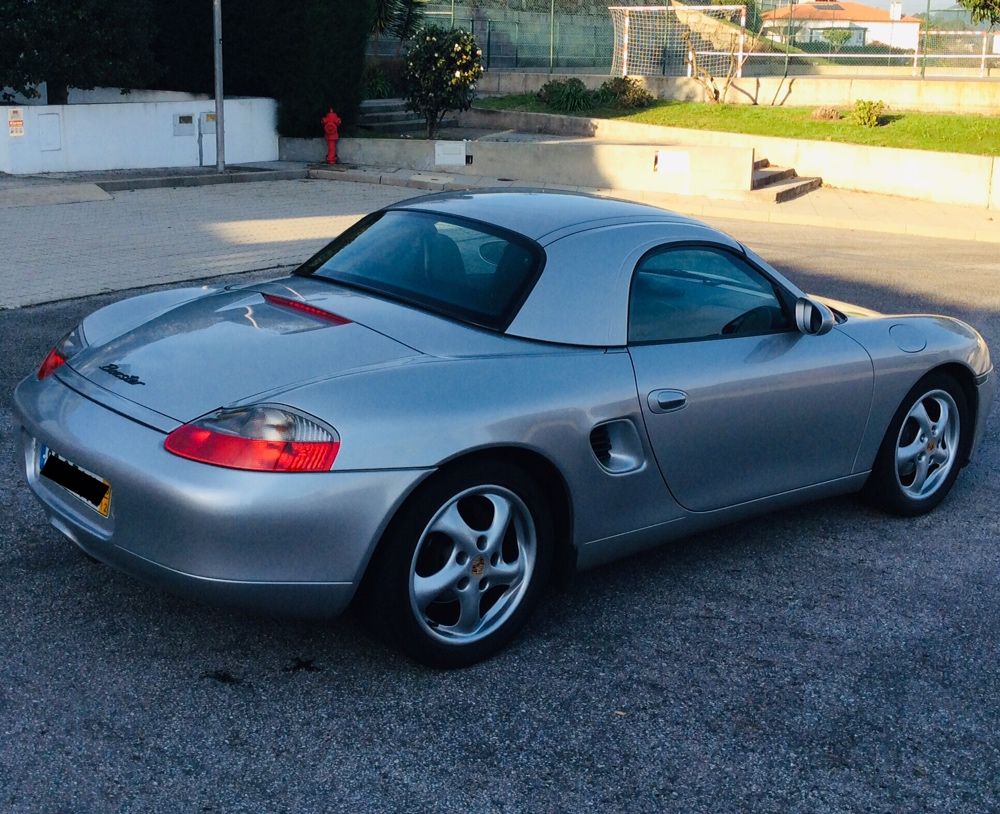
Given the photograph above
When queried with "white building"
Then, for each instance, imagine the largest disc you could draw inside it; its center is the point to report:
(865, 25)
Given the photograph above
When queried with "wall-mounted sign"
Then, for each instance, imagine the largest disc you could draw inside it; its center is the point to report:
(15, 121)
(449, 153)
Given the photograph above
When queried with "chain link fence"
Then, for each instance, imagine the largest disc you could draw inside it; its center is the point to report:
(837, 38)
(768, 37)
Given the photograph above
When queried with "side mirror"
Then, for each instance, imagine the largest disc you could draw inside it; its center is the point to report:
(813, 318)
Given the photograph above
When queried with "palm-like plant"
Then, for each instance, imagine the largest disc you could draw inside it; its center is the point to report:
(398, 18)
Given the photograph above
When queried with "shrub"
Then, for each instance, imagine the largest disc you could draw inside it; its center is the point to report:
(443, 66)
(868, 113)
(826, 114)
(376, 83)
(624, 91)
(566, 95)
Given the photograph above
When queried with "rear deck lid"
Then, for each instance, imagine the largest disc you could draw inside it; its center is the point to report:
(229, 346)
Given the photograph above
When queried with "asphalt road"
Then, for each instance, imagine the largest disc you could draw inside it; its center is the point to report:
(822, 659)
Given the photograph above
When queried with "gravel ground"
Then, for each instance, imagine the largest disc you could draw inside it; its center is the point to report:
(822, 659)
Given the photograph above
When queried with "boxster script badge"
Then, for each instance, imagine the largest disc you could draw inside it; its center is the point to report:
(119, 374)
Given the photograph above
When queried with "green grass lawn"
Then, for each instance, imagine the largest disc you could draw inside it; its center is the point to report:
(953, 133)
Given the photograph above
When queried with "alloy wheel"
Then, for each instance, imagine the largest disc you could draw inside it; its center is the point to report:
(473, 564)
(927, 445)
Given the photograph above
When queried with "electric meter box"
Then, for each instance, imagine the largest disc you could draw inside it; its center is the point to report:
(184, 124)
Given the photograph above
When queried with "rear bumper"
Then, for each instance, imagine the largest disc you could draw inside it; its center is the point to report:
(284, 544)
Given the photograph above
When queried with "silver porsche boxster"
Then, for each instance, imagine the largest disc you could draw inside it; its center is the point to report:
(466, 394)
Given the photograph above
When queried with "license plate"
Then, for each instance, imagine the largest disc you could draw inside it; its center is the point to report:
(84, 485)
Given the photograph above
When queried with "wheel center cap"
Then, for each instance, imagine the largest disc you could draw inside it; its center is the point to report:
(931, 445)
(478, 566)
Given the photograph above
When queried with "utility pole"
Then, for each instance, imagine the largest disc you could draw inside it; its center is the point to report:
(220, 127)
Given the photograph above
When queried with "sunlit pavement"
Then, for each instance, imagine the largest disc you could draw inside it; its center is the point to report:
(148, 237)
(126, 240)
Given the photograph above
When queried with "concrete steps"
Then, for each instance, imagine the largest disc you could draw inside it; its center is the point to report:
(779, 184)
(390, 116)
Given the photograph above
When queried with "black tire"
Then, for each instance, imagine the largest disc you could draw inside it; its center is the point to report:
(387, 601)
(883, 488)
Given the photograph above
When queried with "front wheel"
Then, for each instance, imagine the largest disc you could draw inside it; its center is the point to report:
(920, 456)
(462, 565)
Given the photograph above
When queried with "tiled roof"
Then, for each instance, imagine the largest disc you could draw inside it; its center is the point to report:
(834, 10)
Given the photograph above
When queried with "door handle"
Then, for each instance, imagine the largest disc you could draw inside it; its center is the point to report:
(666, 401)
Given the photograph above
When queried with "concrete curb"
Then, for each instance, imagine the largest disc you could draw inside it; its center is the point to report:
(715, 209)
(129, 184)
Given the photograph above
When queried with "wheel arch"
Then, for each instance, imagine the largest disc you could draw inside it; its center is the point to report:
(550, 478)
(539, 467)
(967, 381)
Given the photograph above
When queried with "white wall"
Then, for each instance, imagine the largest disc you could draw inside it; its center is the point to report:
(898, 35)
(101, 95)
(901, 35)
(115, 95)
(812, 31)
(134, 135)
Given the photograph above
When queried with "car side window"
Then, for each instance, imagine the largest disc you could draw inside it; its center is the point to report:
(700, 292)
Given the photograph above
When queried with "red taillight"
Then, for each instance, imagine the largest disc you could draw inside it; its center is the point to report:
(264, 438)
(305, 308)
(53, 360)
(199, 444)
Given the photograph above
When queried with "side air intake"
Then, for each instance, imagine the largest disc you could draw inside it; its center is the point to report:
(617, 446)
(600, 442)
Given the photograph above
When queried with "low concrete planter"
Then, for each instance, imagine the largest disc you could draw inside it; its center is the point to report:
(965, 95)
(952, 178)
(683, 169)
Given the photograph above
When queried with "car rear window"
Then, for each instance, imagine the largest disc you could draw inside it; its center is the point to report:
(455, 267)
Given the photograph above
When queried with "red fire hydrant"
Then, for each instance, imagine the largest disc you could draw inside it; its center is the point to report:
(331, 121)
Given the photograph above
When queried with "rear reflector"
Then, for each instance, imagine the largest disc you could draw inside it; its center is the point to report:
(305, 308)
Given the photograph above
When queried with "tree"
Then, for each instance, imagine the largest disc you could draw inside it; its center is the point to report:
(734, 66)
(82, 44)
(837, 37)
(983, 11)
(182, 44)
(443, 67)
(306, 54)
(398, 18)
(309, 55)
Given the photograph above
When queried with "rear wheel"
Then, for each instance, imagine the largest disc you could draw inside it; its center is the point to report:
(462, 565)
(920, 456)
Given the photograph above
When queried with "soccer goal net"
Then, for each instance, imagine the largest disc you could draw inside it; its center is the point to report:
(669, 40)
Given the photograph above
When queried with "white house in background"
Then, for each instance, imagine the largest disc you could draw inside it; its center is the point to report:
(809, 22)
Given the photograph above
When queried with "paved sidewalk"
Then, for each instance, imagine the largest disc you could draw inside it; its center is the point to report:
(132, 239)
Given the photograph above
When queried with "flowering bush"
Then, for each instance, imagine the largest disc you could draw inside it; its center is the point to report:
(442, 68)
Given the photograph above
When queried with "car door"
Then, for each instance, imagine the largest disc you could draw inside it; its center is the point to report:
(738, 404)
